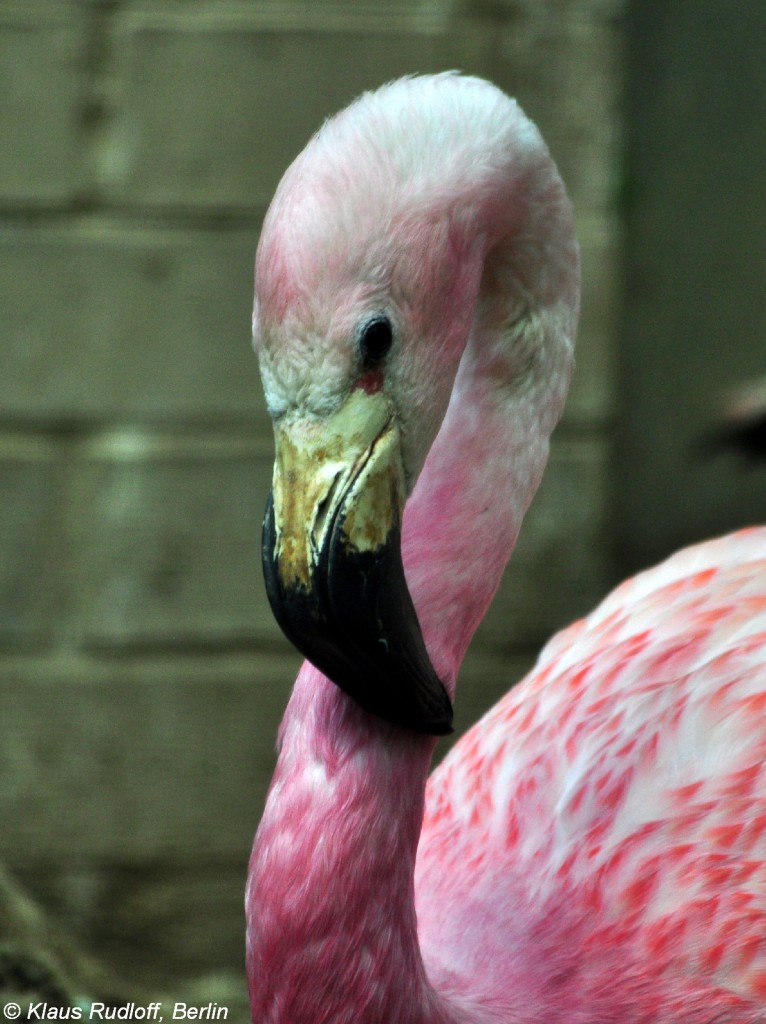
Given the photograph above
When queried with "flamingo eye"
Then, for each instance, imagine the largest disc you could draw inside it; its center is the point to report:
(375, 341)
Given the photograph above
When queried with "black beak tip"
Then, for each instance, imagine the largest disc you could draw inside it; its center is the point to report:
(368, 643)
(441, 724)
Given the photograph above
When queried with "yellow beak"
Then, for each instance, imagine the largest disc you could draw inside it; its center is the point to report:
(332, 561)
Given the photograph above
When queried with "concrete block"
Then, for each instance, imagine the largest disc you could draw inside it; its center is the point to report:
(566, 73)
(559, 569)
(194, 913)
(212, 104)
(152, 925)
(165, 533)
(136, 761)
(29, 577)
(112, 320)
(130, 795)
(43, 159)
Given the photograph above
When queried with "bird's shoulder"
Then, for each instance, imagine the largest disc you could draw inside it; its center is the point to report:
(623, 781)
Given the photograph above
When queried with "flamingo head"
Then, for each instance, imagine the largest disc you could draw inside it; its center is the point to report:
(379, 257)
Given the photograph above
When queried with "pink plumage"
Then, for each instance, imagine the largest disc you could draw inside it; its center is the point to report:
(594, 849)
(620, 787)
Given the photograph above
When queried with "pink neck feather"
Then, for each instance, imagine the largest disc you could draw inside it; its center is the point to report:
(333, 935)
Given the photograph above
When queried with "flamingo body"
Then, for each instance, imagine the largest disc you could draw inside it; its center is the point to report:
(607, 818)
(594, 849)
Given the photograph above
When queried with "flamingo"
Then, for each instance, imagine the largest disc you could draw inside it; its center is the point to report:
(594, 848)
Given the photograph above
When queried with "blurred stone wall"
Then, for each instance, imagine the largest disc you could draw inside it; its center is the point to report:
(141, 675)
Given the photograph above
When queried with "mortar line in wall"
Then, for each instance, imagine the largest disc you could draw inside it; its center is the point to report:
(85, 213)
(63, 427)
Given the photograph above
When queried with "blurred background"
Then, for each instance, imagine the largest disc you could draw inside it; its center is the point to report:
(142, 677)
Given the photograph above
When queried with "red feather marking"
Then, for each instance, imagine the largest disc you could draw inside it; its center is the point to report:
(372, 381)
(758, 984)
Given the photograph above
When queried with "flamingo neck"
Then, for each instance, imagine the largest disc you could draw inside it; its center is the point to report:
(465, 513)
(332, 933)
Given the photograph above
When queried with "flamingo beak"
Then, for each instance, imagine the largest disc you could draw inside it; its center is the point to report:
(333, 566)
